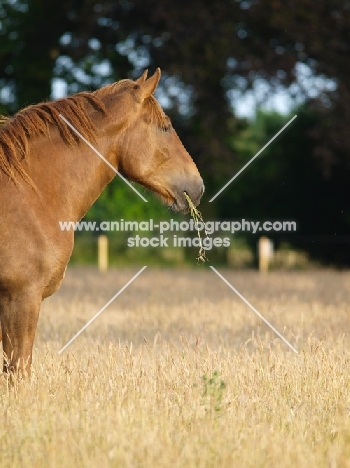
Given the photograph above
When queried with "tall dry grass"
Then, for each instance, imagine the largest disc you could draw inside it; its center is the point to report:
(179, 372)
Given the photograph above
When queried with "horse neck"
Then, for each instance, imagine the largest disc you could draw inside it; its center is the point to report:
(70, 178)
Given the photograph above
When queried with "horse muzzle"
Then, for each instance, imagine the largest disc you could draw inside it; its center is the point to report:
(194, 190)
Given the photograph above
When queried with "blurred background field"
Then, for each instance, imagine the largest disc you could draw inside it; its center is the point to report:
(178, 371)
(196, 303)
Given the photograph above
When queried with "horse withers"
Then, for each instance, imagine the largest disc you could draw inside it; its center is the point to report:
(47, 175)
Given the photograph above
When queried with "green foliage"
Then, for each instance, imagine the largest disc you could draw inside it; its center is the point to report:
(213, 391)
(286, 182)
(119, 201)
(258, 180)
(29, 34)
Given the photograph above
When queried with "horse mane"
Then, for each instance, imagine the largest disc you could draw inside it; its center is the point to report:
(35, 120)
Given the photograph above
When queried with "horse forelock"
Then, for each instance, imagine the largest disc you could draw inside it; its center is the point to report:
(156, 113)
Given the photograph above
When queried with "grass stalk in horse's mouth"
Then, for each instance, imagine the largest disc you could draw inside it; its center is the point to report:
(197, 216)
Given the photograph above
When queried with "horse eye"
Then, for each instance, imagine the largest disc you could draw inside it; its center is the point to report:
(166, 128)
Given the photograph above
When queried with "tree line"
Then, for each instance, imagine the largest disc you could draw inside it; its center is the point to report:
(208, 52)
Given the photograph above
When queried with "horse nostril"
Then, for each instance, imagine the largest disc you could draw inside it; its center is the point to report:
(200, 192)
(195, 192)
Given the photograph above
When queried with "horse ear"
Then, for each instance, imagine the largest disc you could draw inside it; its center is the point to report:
(142, 78)
(148, 87)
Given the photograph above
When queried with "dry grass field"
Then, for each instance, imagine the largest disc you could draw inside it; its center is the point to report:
(179, 372)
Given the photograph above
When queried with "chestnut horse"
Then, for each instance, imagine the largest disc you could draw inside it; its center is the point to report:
(47, 175)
